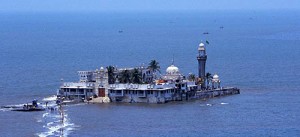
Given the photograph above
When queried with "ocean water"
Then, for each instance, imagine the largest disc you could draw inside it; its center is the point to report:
(256, 51)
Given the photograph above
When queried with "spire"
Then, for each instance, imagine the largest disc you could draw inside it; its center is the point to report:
(173, 60)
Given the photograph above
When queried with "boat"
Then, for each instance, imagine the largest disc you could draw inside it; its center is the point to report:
(30, 107)
(205, 33)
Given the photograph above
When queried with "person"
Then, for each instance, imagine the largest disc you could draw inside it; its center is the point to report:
(52, 109)
(34, 103)
(46, 103)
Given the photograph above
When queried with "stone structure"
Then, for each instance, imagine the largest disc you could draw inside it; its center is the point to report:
(201, 64)
(93, 86)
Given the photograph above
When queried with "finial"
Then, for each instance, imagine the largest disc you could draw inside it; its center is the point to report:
(173, 60)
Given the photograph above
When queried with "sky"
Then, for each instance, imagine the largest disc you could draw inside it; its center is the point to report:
(143, 5)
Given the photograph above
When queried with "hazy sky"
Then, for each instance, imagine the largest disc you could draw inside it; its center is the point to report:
(143, 5)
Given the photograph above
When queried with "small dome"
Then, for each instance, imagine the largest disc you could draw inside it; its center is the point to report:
(172, 69)
(201, 44)
(101, 69)
(215, 76)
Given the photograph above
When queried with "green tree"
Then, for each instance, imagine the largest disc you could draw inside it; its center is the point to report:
(208, 78)
(154, 66)
(136, 76)
(125, 76)
(111, 74)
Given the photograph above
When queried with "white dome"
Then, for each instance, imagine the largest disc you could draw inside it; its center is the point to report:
(201, 44)
(215, 76)
(172, 69)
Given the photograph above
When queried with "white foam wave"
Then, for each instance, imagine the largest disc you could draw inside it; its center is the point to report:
(224, 103)
(45, 114)
(10, 107)
(57, 124)
(17, 105)
(51, 98)
(208, 104)
(4, 109)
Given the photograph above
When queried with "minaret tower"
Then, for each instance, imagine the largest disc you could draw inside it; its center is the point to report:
(201, 63)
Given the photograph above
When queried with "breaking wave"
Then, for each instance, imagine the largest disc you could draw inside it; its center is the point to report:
(55, 120)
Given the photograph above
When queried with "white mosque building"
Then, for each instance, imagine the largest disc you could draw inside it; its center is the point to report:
(169, 87)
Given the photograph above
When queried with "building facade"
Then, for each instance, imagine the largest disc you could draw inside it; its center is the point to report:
(170, 86)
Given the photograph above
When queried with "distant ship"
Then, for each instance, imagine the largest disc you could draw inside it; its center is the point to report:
(205, 33)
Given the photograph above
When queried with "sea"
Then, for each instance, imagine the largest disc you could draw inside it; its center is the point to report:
(257, 51)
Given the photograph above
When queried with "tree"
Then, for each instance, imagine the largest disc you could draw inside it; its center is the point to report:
(153, 67)
(208, 78)
(125, 76)
(111, 74)
(191, 77)
(136, 76)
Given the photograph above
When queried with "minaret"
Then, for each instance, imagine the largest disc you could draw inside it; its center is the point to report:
(201, 63)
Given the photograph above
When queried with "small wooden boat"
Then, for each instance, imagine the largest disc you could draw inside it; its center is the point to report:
(30, 107)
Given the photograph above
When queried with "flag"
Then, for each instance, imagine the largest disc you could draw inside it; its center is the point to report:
(207, 42)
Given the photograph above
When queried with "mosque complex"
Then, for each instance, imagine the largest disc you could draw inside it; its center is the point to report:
(142, 84)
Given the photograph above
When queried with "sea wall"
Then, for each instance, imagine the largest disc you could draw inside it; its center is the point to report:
(203, 94)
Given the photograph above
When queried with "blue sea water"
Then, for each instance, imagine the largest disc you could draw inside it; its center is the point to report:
(257, 51)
